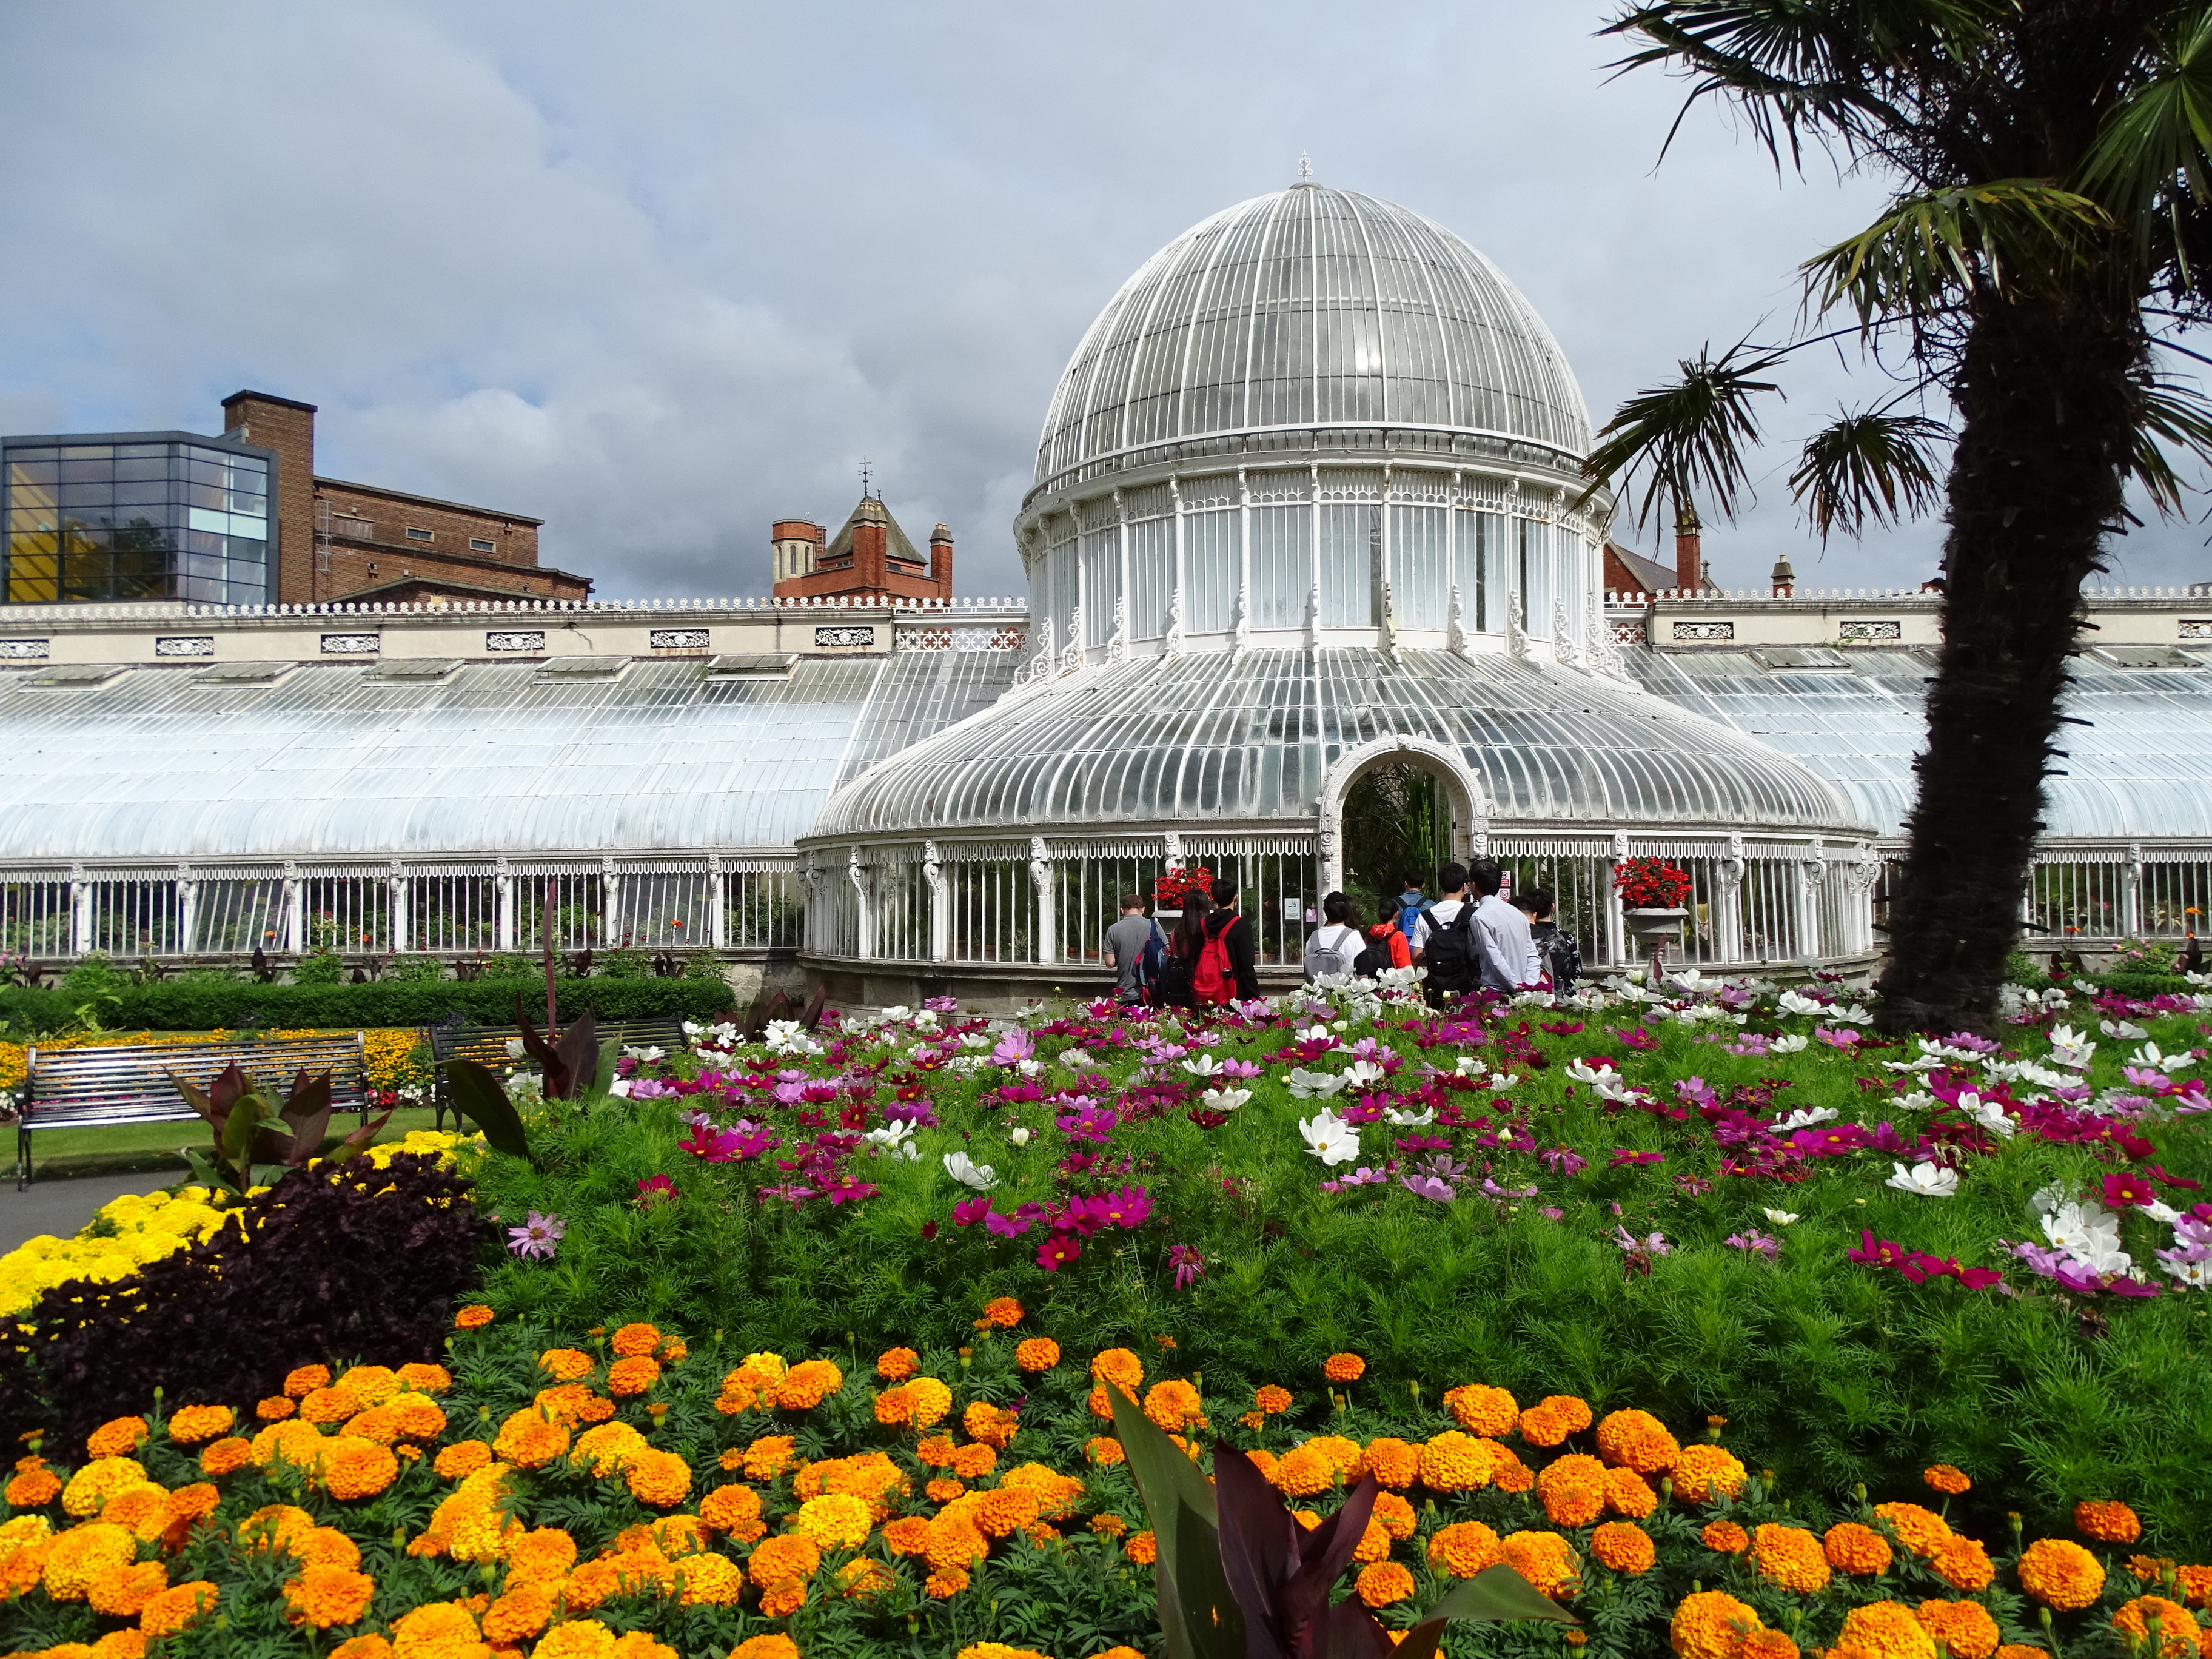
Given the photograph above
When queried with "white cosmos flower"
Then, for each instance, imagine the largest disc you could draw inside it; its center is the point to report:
(1410, 1120)
(1987, 1113)
(1330, 1138)
(514, 1050)
(1790, 1002)
(1690, 979)
(1853, 1015)
(1363, 1074)
(967, 1173)
(1780, 1218)
(1315, 1085)
(2090, 1233)
(2047, 1200)
(1927, 1180)
(2125, 1031)
(1918, 1101)
(1225, 1100)
(2069, 1048)
(1312, 1034)
(890, 1134)
(1788, 1045)
(1074, 1059)
(1805, 1118)
(1204, 1066)
(1019, 1135)
(2151, 1056)
(1583, 1072)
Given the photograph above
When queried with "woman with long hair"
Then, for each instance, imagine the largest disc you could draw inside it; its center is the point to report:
(1182, 948)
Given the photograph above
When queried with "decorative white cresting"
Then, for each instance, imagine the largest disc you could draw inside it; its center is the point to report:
(1600, 648)
(1516, 635)
(1072, 656)
(1563, 644)
(1117, 646)
(1455, 639)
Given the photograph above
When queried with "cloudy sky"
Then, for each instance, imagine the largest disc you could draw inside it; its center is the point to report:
(660, 272)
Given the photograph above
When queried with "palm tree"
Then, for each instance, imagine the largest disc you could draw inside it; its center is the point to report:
(2048, 231)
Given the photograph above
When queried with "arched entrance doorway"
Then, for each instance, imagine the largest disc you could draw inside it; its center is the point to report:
(1451, 816)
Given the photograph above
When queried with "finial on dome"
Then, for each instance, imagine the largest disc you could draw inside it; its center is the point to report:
(1305, 169)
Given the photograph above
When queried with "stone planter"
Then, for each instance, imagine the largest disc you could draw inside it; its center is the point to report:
(1654, 929)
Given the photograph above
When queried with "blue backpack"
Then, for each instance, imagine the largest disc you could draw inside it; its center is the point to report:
(1149, 959)
(1409, 917)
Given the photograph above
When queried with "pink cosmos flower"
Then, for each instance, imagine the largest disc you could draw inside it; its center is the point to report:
(1057, 1252)
(537, 1236)
(1188, 1262)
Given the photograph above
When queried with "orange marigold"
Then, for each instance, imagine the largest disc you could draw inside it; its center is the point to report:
(1628, 1493)
(995, 1426)
(529, 1440)
(323, 1596)
(944, 1584)
(896, 1364)
(276, 1408)
(1483, 1410)
(634, 1340)
(1711, 1624)
(34, 1488)
(1544, 1559)
(1572, 1490)
(1947, 1480)
(2105, 1521)
(461, 1459)
(1104, 1450)
(1039, 1353)
(633, 1375)
(305, 1380)
(123, 1593)
(2194, 1584)
(1704, 1471)
(1624, 1547)
(1920, 1530)
(1384, 1583)
(1852, 1546)
(1725, 1538)
(1142, 1548)
(567, 1364)
(1174, 1404)
(734, 1509)
(226, 1456)
(1395, 1464)
(1344, 1368)
(1964, 1565)
(907, 1535)
(775, 1645)
(1638, 1440)
(178, 1606)
(520, 1614)
(787, 1556)
(1552, 1418)
(1452, 1461)
(2177, 1636)
(331, 1405)
(189, 1424)
(2061, 1574)
(972, 1462)
(119, 1438)
(1965, 1628)
(768, 1457)
(659, 1478)
(474, 1315)
(807, 1384)
(1770, 1645)
(1002, 1312)
(1393, 1515)
(1271, 1400)
(1889, 1630)
(1119, 1367)
(1789, 1556)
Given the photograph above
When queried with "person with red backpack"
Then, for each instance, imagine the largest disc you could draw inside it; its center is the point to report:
(1229, 967)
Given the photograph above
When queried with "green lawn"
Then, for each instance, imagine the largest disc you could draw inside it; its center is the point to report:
(60, 1154)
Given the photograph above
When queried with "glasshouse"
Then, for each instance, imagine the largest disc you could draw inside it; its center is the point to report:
(1306, 526)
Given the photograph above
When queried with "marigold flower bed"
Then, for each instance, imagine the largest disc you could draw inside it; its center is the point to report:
(523, 1499)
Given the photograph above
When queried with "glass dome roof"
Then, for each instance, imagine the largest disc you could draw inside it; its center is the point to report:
(1249, 737)
(1310, 308)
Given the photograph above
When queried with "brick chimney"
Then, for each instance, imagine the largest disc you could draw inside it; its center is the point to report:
(1689, 560)
(1782, 578)
(288, 428)
(940, 562)
(872, 549)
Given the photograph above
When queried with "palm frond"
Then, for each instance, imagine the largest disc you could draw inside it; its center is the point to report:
(1688, 438)
(1868, 466)
(2177, 416)
(1933, 246)
(2154, 148)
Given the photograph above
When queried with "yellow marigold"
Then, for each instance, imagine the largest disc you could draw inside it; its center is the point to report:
(1452, 1461)
(1344, 1368)
(609, 1447)
(1851, 1547)
(768, 1457)
(973, 1462)
(1395, 1464)
(896, 1364)
(522, 1611)
(709, 1581)
(865, 1578)
(1887, 1630)
(424, 1377)
(91, 1487)
(1624, 1547)
(996, 1651)
(2061, 1574)
(1638, 1440)
(1965, 1628)
(1920, 1530)
(632, 1340)
(331, 1405)
(123, 1593)
(178, 1606)
(2107, 1521)
(305, 1380)
(1142, 1548)
(84, 1554)
(189, 1424)
(1383, 1583)
(323, 1596)
(1483, 1410)
(835, 1521)
(226, 1456)
(1104, 1450)
(1629, 1493)
(1964, 1565)
(115, 1438)
(775, 1645)
(995, 1425)
(1947, 1480)
(1544, 1559)
(472, 1317)
(1119, 1367)
(1552, 1418)
(1174, 1404)
(1702, 1471)
(1572, 1490)
(33, 1489)
(1002, 1312)
(2178, 1635)
(462, 1458)
(635, 1374)
(785, 1556)
(1789, 1556)
(659, 1478)
(927, 1401)
(566, 1364)
(1711, 1624)
(1039, 1353)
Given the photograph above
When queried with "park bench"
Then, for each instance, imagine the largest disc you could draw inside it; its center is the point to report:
(129, 1083)
(486, 1046)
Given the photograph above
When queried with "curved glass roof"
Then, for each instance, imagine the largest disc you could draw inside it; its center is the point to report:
(1311, 307)
(2142, 768)
(1209, 736)
(337, 762)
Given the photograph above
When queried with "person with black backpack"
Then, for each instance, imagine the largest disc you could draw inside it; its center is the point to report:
(1562, 959)
(1445, 941)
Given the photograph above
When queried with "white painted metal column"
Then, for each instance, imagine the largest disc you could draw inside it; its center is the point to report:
(1047, 922)
(188, 909)
(295, 910)
(80, 910)
(401, 931)
(503, 883)
(718, 902)
(940, 903)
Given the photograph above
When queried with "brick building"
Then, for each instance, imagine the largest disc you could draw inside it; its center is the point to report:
(242, 519)
(871, 555)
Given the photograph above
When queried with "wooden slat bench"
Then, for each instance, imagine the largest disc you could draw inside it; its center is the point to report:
(486, 1046)
(129, 1083)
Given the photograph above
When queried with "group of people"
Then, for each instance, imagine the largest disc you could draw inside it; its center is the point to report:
(1469, 938)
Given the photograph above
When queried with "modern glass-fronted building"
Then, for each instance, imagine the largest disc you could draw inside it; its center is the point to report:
(137, 515)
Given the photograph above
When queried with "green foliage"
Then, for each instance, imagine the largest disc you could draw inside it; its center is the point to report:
(320, 966)
(626, 962)
(703, 965)
(184, 1005)
(2023, 969)
(509, 966)
(95, 974)
(405, 969)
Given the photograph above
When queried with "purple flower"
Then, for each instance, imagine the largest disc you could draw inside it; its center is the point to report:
(1562, 1160)
(1845, 1038)
(1655, 1244)
(941, 1004)
(1428, 1187)
(1755, 1241)
(1188, 1262)
(1012, 1049)
(538, 1237)
(1623, 1155)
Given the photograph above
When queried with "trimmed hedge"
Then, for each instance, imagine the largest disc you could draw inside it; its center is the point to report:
(209, 1004)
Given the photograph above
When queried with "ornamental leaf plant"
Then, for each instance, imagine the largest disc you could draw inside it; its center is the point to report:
(251, 1131)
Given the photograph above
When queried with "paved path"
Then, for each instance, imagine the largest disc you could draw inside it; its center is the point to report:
(62, 1207)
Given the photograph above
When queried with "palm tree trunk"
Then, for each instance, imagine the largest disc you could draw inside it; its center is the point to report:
(2047, 408)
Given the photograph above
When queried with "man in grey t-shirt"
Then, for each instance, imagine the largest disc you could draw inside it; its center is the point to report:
(1122, 948)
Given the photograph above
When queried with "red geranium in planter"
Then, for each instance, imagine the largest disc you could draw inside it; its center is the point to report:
(1650, 884)
(1168, 888)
